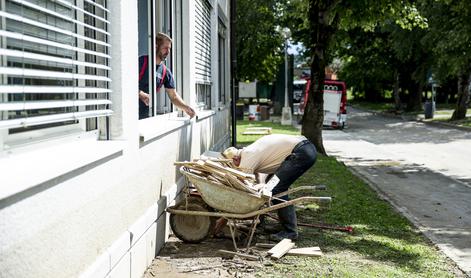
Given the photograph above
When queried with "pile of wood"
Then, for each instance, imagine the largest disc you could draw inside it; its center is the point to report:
(224, 172)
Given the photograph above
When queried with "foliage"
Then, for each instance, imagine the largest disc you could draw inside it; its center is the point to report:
(449, 35)
(258, 43)
(368, 59)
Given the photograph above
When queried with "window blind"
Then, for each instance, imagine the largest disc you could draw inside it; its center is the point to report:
(203, 41)
(54, 62)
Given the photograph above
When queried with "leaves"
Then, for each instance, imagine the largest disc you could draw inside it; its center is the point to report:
(259, 45)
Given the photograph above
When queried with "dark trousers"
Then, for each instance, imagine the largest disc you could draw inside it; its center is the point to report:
(299, 161)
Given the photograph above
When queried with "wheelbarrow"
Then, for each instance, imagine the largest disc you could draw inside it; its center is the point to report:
(193, 219)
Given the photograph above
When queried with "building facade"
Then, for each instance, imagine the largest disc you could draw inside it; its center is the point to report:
(83, 182)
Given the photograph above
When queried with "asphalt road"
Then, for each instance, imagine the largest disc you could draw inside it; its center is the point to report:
(423, 170)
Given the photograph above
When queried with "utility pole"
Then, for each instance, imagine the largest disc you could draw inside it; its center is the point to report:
(234, 80)
(286, 116)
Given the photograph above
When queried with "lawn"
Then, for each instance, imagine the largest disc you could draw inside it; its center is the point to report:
(384, 244)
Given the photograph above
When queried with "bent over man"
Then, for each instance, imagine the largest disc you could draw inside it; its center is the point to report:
(285, 156)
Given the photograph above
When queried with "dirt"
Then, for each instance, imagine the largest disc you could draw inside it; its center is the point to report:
(179, 259)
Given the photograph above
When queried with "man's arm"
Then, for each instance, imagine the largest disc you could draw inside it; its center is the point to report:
(178, 101)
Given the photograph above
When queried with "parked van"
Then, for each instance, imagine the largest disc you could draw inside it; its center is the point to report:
(335, 103)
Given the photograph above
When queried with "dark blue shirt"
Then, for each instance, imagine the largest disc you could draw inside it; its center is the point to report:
(169, 83)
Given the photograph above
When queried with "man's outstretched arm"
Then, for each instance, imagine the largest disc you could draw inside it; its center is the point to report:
(178, 101)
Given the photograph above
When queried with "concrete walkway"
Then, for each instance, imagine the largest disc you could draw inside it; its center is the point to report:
(423, 171)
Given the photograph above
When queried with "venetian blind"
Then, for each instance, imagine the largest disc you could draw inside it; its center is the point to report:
(203, 41)
(54, 62)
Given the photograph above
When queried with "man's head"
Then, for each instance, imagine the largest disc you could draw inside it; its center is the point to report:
(163, 45)
(232, 153)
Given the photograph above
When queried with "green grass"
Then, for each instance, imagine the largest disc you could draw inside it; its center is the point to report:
(247, 139)
(384, 244)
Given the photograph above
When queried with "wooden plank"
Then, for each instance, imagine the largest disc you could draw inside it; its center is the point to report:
(281, 248)
(213, 179)
(234, 172)
(261, 132)
(265, 245)
(307, 251)
(240, 174)
(242, 255)
(213, 159)
(258, 128)
(237, 184)
(249, 184)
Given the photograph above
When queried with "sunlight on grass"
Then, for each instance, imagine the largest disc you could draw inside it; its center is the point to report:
(384, 244)
(243, 140)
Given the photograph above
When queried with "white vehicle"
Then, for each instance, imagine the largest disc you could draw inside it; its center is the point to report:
(335, 103)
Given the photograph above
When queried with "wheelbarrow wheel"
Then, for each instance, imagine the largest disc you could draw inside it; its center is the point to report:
(192, 228)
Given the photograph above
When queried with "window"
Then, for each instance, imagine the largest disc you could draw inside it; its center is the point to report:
(222, 62)
(54, 65)
(156, 16)
(203, 53)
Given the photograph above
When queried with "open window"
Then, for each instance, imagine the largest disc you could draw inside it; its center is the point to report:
(222, 56)
(54, 68)
(157, 16)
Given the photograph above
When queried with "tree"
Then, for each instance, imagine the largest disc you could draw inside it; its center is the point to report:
(317, 28)
(258, 42)
(450, 38)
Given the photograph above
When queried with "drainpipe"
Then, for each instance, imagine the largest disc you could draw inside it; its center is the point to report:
(234, 80)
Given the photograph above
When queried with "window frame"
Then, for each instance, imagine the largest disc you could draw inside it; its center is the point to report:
(161, 18)
(96, 126)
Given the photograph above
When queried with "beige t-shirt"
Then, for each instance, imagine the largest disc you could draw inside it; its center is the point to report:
(267, 153)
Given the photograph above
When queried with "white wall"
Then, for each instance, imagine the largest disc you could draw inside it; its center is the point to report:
(103, 217)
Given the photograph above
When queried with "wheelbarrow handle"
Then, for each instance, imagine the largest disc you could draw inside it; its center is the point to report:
(300, 188)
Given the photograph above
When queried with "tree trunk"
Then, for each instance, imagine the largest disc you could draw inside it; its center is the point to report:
(322, 28)
(463, 96)
(397, 98)
(415, 97)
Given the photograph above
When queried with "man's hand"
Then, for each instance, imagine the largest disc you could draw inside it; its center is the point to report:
(144, 97)
(189, 111)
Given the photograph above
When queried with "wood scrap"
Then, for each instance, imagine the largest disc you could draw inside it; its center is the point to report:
(242, 255)
(257, 131)
(265, 245)
(261, 132)
(307, 251)
(234, 172)
(222, 171)
(258, 128)
(236, 183)
(281, 248)
(213, 179)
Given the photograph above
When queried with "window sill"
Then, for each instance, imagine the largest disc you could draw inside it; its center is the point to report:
(155, 127)
(32, 170)
(203, 114)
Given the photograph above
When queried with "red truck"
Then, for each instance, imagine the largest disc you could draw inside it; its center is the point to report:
(335, 103)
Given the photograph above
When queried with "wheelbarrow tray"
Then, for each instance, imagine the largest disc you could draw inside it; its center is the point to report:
(224, 198)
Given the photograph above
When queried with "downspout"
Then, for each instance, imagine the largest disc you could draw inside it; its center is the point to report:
(234, 81)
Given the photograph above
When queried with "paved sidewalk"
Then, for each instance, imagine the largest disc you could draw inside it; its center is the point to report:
(421, 168)
(438, 205)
